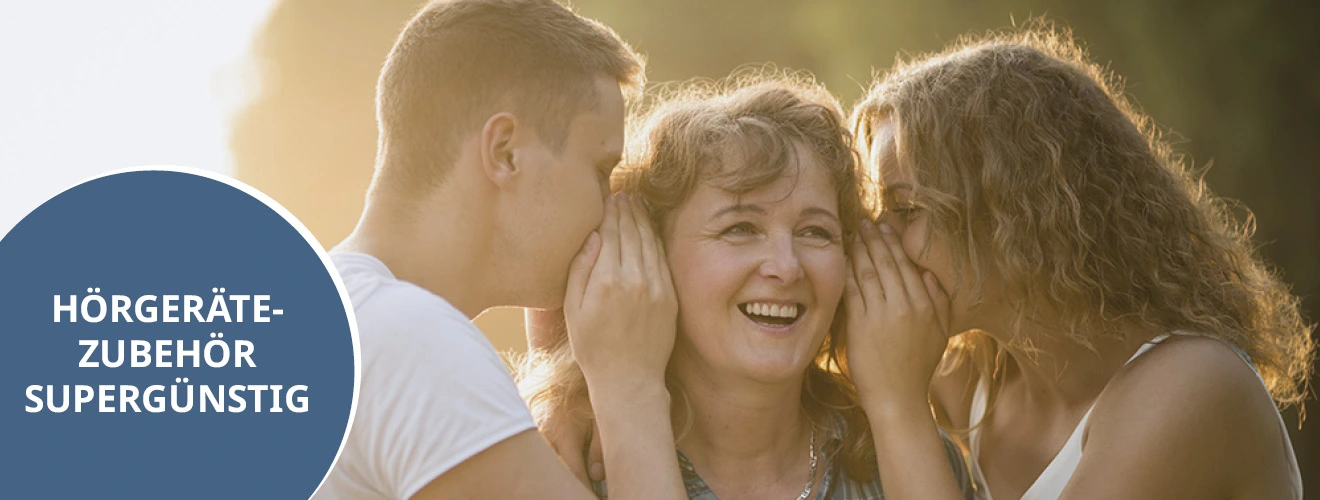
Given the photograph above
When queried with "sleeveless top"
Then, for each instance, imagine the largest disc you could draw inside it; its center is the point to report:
(1050, 483)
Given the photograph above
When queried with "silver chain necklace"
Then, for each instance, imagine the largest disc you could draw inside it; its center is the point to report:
(811, 476)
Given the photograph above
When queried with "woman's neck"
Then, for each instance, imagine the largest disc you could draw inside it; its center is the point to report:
(1052, 371)
(741, 431)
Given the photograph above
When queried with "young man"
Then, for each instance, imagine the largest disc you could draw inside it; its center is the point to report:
(500, 121)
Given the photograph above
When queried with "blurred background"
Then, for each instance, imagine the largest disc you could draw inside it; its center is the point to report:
(279, 93)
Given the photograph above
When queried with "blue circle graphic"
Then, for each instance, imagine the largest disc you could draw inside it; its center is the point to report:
(134, 239)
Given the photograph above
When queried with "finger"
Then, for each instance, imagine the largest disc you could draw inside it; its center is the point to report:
(576, 464)
(912, 281)
(852, 293)
(940, 300)
(595, 456)
(567, 441)
(891, 282)
(648, 242)
(868, 280)
(579, 271)
(662, 264)
(609, 233)
(630, 239)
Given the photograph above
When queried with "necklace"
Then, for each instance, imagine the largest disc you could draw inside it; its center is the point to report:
(811, 476)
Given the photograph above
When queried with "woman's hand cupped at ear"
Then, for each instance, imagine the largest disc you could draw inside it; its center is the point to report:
(897, 321)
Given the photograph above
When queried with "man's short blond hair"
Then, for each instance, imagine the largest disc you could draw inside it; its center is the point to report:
(457, 62)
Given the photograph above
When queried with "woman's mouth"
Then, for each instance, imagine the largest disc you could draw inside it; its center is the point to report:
(775, 315)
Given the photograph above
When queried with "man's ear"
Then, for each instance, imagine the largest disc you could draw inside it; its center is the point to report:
(498, 144)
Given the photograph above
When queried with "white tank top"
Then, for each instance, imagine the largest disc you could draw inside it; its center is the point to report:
(1049, 485)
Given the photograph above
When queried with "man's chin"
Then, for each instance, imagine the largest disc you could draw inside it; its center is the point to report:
(547, 299)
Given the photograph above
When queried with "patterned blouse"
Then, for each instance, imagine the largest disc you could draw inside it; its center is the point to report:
(836, 485)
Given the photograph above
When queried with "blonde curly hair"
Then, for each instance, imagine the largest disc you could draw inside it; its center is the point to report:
(1032, 161)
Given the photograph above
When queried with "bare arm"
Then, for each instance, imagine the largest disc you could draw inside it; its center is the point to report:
(1188, 419)
(622, 317)
(545, 328)
(567, 422)
(525, 467)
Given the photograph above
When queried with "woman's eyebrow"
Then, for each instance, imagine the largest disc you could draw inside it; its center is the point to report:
(737, 209)
(819, 211)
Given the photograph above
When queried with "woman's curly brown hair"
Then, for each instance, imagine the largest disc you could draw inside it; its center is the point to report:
(1031, 159)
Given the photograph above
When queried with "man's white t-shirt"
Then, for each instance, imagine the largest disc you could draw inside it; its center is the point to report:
(434, 391)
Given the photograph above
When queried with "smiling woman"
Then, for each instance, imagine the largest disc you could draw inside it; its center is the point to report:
(752, 184)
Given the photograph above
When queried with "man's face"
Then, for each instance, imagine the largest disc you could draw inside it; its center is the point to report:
(569, 190)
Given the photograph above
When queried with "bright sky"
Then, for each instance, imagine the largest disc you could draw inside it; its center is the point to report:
(92, 86)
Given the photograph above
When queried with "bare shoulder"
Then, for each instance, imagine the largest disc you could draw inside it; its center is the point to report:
(1186, 376)
(1189, 418)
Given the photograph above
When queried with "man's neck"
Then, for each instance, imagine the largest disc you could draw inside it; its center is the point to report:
(435, 245)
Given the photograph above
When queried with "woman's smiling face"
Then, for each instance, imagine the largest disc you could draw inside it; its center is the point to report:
(758, 275)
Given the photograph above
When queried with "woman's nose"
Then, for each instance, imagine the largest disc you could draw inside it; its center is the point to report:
(781, 260)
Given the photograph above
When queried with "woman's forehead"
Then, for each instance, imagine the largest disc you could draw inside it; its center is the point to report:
(796, 184)
(884, 154)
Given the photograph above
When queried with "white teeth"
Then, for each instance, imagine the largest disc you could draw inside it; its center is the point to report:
(772, 310)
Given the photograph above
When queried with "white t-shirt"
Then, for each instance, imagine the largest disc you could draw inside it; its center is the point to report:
(434, 391)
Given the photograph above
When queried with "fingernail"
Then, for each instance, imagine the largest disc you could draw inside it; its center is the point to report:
(884, 228)
(597, 471)
(867, 225)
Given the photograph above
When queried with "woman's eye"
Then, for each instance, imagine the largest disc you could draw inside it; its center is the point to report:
(739, 229)
(819, 233)
(907, 212)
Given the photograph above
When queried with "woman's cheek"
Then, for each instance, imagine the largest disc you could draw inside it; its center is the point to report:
(928, 255)
(915, 245)
(830, 272)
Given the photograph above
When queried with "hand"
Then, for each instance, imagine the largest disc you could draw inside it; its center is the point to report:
(620, 304)
(568, 427)
(570, 432)
(897, 321)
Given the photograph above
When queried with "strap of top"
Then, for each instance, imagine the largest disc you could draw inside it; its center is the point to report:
(979, 396)
(1063, 464)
